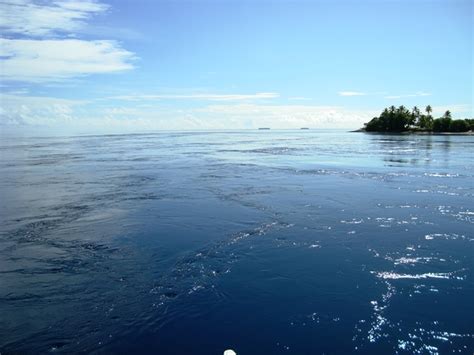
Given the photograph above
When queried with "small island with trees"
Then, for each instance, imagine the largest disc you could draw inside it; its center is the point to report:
(400, 119)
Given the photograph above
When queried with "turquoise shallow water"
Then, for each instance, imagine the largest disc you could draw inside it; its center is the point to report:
(292, 242)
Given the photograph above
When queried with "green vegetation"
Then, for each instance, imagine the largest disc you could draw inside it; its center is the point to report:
(401, 119)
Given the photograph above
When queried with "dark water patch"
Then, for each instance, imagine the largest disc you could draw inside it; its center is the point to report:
(197, 271)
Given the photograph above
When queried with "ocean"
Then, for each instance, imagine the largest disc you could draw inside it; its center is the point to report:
(264, 242)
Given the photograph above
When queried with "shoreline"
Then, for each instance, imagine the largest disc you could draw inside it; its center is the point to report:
(421, 133)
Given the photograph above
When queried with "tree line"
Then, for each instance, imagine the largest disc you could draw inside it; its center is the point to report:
(400, 119)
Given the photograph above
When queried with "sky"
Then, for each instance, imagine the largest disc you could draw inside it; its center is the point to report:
(83, 66)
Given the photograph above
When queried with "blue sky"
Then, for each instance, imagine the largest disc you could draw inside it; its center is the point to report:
(119, 66)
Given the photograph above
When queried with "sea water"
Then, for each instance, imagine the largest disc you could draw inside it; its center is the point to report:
(264, 242)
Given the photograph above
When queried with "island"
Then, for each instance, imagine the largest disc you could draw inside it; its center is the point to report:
(400, 119)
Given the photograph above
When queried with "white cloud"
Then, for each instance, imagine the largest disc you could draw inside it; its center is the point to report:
(360, 93)
(72, 115)
(41, 48)
(34, 18)
(19, 110)
(299, 98)
(206, 96)
(75, 116)
(288, 116)
(460, 110)
(351, 93)
(54, 60)
(416, 94)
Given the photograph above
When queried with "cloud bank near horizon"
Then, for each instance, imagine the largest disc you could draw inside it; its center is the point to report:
(22, 110)
(83, 116)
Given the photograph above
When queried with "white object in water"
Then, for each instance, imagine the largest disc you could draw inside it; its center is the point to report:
(230, 352)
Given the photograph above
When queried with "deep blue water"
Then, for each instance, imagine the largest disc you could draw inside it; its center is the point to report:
(266, 242)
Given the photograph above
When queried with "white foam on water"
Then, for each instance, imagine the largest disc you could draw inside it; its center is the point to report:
(405, 344)
(195, 289)
(461, 214)
(379, 320)
(441, 175)
(375, 252)
(419, 340)
(446, 236)
(353, 221)
(413, 260)
(390, 275)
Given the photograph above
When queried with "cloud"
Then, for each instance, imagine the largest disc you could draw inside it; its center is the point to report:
(206, 96)
(287, 116)
(38, 42)
(417, 94)
(75, 116)
(360, 93)
(54, 60)
(20, 110)
(460, 110)
(299, 98)
(351, 93)
(34, 18)
(50, 114)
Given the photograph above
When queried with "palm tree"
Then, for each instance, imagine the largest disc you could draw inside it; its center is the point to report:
(416, 111)
(428, 110)
(447, 114)
(415, 116)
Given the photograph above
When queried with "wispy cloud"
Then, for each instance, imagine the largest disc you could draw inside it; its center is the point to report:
(40, 47)
(74, 115)
(461, 110)
(80, 116)
(53, 60)
(351, 93)
(386, 96)
(200, 96)
(287, 116)
(21, 110)
(35, 18)
(403, 96)
(299, 98)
